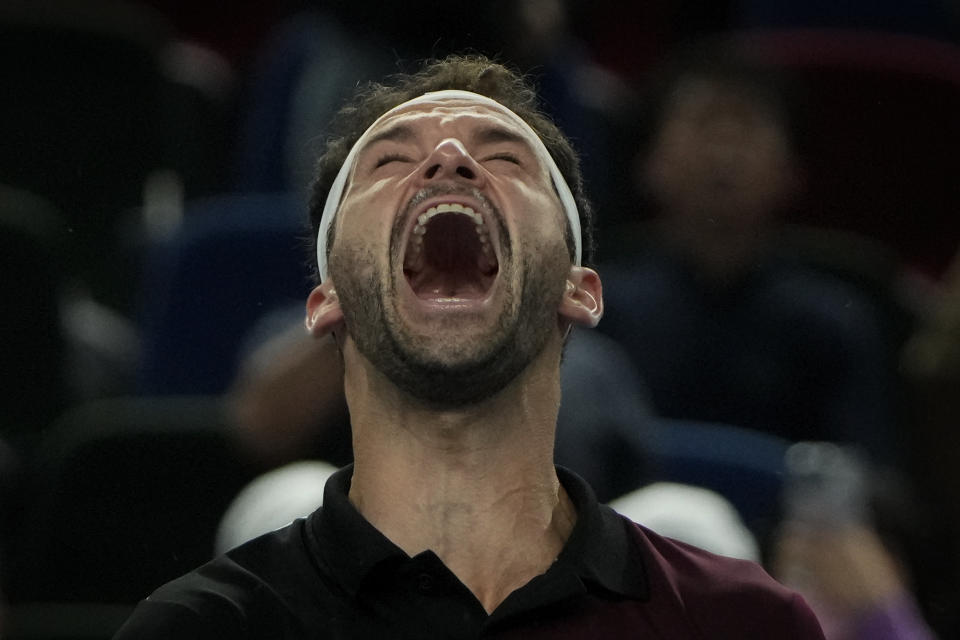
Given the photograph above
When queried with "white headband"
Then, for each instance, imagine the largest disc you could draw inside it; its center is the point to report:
(336, 189)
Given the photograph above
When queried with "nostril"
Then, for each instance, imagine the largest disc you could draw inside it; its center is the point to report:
(440, 169)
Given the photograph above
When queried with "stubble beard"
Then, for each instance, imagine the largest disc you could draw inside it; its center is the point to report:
(447, 369)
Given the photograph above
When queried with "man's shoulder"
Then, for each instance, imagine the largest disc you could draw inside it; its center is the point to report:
(256, 585)
(685, 565)
(723, 597)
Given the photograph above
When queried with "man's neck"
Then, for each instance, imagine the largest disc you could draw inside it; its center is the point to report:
(476, 486)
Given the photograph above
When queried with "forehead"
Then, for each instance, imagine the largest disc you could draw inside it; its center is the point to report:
(445, 116)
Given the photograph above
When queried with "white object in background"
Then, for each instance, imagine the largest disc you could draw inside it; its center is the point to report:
(690, 514)
(273, 500)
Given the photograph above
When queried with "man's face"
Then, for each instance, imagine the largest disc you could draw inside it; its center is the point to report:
(721, 157)
(449, 256)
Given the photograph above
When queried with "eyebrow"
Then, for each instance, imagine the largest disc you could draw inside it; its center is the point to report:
(498, 134)
(396, 133)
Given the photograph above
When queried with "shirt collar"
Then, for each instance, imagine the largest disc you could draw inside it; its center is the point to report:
(600, 550)
(348, 545)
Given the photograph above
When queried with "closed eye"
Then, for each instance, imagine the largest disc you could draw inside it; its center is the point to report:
(509, 157)
(391, 157)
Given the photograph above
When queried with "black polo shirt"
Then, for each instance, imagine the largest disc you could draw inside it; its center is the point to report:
(333, 575)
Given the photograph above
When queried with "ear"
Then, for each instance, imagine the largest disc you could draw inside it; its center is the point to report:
(323, 310)
(582, 301)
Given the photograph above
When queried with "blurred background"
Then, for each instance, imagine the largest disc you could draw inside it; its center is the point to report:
(778, 225)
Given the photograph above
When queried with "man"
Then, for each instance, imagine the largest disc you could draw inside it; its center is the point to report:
(726, 320)
(449, 250)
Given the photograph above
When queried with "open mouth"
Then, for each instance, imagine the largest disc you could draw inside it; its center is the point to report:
(450, 254)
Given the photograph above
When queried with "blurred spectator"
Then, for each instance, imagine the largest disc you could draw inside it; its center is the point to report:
(848, 544)
(852, 582)
(931, 364)
(931, 357)
(933, 352)
(287, 399)
(722, 326)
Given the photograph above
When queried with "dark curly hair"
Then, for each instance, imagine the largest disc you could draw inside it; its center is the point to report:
(475, 73)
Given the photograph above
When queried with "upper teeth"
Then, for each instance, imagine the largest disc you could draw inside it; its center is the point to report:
(420, 229)
(449, 208)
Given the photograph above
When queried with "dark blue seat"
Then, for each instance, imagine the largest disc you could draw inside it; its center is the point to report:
(235, 258)
(743, 465)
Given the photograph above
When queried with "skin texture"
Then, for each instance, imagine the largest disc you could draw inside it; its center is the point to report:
(453, 399)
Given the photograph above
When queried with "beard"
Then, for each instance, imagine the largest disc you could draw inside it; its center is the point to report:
(447, 369)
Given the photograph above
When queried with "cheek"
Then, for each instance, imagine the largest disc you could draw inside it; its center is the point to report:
(366, 218)
(360, 248)
(540, 220)
(351, 262)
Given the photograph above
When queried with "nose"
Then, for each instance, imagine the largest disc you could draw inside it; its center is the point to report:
(450, 160)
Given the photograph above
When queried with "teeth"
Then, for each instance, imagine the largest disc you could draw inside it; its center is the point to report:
(450, 208)
(414, 259)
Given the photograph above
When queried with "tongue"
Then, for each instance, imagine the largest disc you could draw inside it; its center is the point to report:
(437, 284)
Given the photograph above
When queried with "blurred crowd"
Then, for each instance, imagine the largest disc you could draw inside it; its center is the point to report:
(777, 375)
